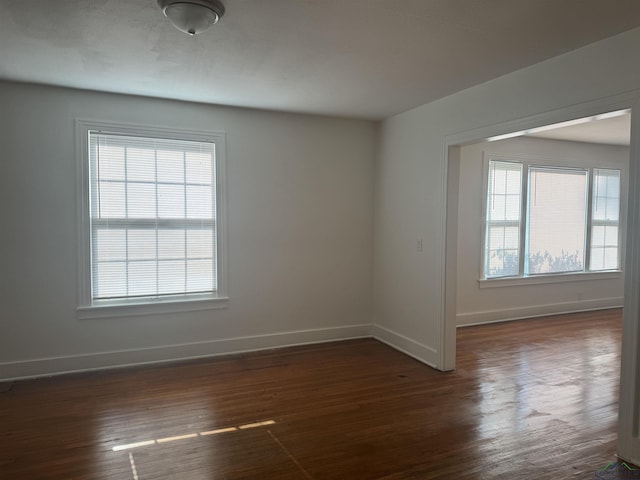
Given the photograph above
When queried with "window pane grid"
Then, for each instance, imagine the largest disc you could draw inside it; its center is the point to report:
(153, 217)
(502, 241)
(554, 231)
(605, 219)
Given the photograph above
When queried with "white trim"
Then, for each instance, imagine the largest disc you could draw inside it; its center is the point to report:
(131, 309)
(419, 351)
(533, 161)
(629, 406)
(548, 279)
(42, 367)
(584, 109)
(508, 314)
(447, 328)
(629, 403)
(91, 309)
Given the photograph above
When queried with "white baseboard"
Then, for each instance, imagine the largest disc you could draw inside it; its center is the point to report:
(44, 367)
(420, 352)
(507, 314)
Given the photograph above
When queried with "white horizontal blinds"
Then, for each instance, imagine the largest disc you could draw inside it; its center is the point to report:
(556, 220)
(605, 220)
(504, 204)
(153, 216)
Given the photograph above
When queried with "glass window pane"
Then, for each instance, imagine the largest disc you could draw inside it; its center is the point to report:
(498, 179)
(557, 220)
(512, 207)
(141, 165)
(111, 200)
(110, 245)
(513, 186)
(497, 207)
(612, 209)
(200, 275)
(200, 244)
(171, 277)
(613, 182)
(611, 258)
(141, 200)
(110, 280)
(512, 238)
(199, 166)
(142, 278)
(171, 244)
(495, 238)
(503, 257)
(502, 263)
(597, 258)
(611, 236)
(170, 166)
(171, 201)
(141, 244)
(199, 202)
(598, 236)
(110, 162)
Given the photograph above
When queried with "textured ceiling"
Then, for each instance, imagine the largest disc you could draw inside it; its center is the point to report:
(354, 58)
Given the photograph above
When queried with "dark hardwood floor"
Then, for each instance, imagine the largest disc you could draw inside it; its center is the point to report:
(533, 399)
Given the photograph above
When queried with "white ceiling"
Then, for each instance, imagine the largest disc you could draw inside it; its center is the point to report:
(611, 131)
(354, 58)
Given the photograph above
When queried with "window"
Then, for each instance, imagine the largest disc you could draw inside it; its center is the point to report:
(503, 219)
(605, 218)
(151, 225)
(543, 219)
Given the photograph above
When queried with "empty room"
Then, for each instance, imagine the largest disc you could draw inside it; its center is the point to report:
(268, 240)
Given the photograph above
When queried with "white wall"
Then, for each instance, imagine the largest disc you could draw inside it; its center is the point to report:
(411, 177)
(410, 197)
(480, 302)
(300, 215)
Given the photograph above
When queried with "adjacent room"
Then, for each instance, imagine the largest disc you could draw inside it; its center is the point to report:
(312, 239)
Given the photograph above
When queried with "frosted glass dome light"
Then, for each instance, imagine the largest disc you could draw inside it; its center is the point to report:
(192, 16)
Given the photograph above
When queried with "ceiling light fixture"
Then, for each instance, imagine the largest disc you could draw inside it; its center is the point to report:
(192, 16)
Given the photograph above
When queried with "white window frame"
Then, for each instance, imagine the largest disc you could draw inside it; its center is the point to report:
(90, 308)
(533, 161)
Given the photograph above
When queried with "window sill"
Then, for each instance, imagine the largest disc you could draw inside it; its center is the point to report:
(548, 279)
(135, 308)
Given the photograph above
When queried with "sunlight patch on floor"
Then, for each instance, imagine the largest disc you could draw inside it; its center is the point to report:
(187, 436)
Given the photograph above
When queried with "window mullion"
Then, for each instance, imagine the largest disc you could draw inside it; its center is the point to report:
(155, 161)
(126, 214)
(186, 247)
(524, 213)
(589, 222)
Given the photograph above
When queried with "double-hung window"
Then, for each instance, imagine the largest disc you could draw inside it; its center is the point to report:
(550, 219)
(151, 216)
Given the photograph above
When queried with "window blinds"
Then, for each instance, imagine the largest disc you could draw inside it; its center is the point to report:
(605, 220)
(557, 220)
(502, 247)
(572, 215)
(153, 216)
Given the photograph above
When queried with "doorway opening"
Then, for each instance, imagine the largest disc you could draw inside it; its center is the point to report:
(527, 131)
(536, 222)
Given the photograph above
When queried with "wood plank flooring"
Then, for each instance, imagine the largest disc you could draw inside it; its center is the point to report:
(530, 399)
